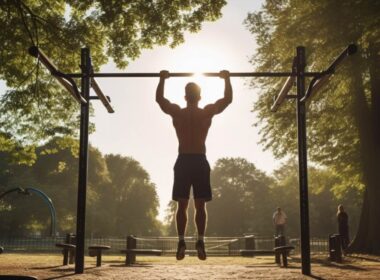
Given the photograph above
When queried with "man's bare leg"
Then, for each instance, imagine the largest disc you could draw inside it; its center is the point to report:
(181, 222)
(200, 216)
(200, 221)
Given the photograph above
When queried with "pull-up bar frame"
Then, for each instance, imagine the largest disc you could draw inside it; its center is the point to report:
(297, 75)
(190, 74)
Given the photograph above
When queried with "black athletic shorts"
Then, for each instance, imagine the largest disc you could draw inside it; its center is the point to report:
(192, 170)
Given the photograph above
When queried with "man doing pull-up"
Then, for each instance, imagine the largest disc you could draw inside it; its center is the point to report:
(192, 168)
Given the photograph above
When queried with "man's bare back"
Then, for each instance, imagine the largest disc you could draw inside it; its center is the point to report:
(192, 123)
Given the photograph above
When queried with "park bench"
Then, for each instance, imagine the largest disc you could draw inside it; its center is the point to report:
(277, 252)
(284, 252)
(252, 253)
(131, 252)
(68, 249)
(96, 251)
(280, 249)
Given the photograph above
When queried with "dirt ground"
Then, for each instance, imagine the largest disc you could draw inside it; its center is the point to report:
(48, 267)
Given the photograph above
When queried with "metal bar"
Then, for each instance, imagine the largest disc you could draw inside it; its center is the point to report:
(46, 199)
(83, 160)
(302, 162)
(350, 50)
(283, 93)
(69, 86)
(101, 96)
(291, 96)
(325, 75)
(285, 88)
(189, 74)
(49, 202)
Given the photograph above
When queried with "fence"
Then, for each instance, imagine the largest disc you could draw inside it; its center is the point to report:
(215, 246)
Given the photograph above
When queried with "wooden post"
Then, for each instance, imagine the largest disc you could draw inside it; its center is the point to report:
(131, 245)
(277, 255)
(250, 242)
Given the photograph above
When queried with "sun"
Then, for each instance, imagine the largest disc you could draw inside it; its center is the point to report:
(198, 59)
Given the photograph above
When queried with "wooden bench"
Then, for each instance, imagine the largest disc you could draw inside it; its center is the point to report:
(69, 248)
(131, 251)
(252, 253)
(96, 251)
(284, 252)
(277, 252)
(68, 252)
(130, 254)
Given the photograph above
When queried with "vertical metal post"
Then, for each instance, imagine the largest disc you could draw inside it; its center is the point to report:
(302, 162)
(83, 159)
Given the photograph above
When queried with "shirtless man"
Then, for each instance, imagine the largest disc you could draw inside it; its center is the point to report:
(192, 168)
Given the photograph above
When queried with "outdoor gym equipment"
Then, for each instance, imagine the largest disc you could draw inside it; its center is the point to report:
(298, 75)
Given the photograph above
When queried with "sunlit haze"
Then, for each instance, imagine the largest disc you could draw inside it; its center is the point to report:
(141, 130)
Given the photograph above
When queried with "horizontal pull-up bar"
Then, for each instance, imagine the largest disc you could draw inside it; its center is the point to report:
(64, 79)
(190, 74)
(318, 82)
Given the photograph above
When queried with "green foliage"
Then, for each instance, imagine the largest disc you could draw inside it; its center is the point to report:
(35, 108)
(121, 199)
(13, 152)
(343, 118)
(241, 198)
(324, 28)
(128, 203)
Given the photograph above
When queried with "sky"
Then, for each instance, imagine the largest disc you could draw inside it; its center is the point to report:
(139, 129)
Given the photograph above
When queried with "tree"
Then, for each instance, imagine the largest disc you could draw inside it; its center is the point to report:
(129, 203)
(343, 119)
(34, 108)
(241, 198)
(121, 199)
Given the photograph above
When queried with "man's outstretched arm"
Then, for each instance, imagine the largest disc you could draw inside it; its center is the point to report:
(222, 103)
(165, 105)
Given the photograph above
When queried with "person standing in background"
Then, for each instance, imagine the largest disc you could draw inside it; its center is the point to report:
(279, 221)
(342, 218)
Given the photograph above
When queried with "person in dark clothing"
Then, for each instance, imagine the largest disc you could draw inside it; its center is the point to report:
(343, 226)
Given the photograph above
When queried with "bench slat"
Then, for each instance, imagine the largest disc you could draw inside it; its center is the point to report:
(152, 252)
(256, 252)
(65, 245)
(283, 248)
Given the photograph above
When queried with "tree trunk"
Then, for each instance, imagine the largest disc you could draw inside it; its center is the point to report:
(368, 121)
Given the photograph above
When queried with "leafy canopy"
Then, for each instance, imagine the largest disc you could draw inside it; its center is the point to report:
(34, 108)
